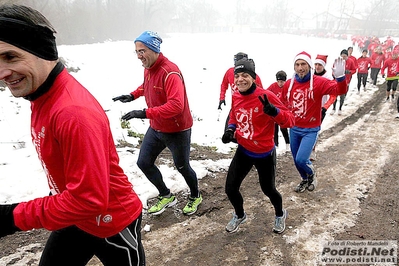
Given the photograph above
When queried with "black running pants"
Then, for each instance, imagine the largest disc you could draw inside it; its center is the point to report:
(73, 247)
(240, 166)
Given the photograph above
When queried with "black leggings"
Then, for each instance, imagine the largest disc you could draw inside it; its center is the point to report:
(374, 74)
(284, 131)
(72, 246)
(178, 143)
(361, 80)
(392, 84)
(238, 170)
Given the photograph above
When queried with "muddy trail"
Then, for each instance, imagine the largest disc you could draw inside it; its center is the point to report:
(356, 198)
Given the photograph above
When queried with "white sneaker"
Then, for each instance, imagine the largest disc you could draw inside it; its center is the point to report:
(235, 222)
(339, 112)
(332, 112)
(279, 223)
(287, 147)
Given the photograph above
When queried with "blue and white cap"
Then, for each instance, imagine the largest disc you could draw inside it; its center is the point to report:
(150, 39)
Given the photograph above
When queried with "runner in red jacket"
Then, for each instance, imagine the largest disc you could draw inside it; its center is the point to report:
(92, 207)
(253, 114)
(276, 88)
(303, 96)
(363, 65)
(377, 60)
(350, 70)
(392, 67)
(170, 122)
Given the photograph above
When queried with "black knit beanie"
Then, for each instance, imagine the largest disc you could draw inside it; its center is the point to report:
(281, 75)
(245, 65)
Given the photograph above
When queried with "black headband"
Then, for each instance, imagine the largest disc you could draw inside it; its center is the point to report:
(35, 39)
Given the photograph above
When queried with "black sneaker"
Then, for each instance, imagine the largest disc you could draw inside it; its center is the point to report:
(301, 187)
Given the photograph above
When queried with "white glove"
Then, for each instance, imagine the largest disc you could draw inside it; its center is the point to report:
(339, 68)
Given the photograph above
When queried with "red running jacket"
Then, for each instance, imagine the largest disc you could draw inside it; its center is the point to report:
(254, 128)
(305, 103)
(71, 134)
(166, 97)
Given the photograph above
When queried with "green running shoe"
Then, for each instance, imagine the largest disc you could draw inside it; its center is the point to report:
(162, 204)
(192, 205)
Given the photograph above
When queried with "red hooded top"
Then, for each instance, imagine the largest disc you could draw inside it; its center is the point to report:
(71, 134)
(305, 102)
(166, 97)
(392, 66)
(363, 65)
(377, 60)
(254, 128)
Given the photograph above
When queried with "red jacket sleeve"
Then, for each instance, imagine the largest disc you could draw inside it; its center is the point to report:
(330, 101)
(138, 92)
(284, 118)
(224, 86)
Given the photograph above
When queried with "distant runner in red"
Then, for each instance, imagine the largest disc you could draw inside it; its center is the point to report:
(276, 88)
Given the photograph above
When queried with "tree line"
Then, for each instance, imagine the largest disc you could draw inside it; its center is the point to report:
(91, 21)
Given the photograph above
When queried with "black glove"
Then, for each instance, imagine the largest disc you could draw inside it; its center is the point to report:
(268, 108)
(220, 104)
(135, 114)
(7, 225)
(124, 98)
(228, 136)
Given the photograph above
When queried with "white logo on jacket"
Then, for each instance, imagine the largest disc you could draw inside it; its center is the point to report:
(37, 140)
(244, 123)
(299, 103)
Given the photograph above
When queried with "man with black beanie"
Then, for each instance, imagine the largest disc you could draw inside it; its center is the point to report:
(276, 88)
(254, 112)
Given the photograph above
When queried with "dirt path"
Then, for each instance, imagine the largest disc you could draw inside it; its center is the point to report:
(356, 198)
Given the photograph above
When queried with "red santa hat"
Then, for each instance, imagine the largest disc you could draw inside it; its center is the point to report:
(321, 59)
(304, 56)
